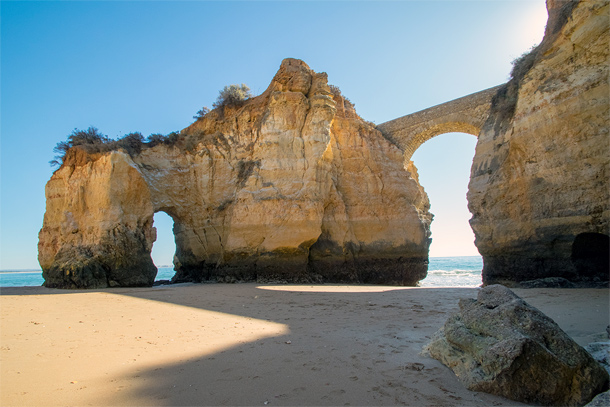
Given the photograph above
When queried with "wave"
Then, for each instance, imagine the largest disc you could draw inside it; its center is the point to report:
(455, 271)
(20, 271)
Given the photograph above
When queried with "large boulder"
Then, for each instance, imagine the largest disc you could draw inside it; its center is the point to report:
(501, 345)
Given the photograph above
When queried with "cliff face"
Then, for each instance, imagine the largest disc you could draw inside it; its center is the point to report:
(539, 184)
(98, 226)
(292, 185)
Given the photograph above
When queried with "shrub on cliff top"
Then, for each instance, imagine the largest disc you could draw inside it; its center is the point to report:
(523, 63)
(202, 112)
(91, 136)
(336, 92)
(504, 102)
(232, 95)
(91, 139)
(132, 143)
(157, 138)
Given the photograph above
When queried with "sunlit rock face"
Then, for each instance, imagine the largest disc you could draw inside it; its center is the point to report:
(291, 185)
(539, 184)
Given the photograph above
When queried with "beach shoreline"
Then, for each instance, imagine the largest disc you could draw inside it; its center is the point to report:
(248, 344)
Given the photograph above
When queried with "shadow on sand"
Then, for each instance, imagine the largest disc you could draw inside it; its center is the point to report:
(325, 345)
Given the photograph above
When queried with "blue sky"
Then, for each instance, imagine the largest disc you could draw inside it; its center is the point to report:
(148, 66)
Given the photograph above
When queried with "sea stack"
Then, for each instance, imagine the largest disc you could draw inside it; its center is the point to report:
(291, 185)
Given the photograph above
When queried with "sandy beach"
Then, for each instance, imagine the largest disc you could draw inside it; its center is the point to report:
(247, 344)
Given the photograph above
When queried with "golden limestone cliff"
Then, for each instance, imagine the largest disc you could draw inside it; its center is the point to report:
(291, 185)
(539, 190)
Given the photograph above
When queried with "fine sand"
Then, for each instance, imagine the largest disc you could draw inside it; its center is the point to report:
(247, 344)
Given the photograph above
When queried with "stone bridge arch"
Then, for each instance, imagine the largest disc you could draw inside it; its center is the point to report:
(464, 115)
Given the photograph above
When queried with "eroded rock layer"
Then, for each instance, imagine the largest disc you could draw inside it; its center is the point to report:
(291, 185)
(539, 183)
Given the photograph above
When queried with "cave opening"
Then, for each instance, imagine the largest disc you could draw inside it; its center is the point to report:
(443, 164)
(164, 248)
(591, 255)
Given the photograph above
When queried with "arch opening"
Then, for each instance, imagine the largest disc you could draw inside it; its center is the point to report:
(426, 134)
(443, 163)
(164, 248)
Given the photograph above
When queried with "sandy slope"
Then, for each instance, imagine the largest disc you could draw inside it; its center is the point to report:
(246, 344)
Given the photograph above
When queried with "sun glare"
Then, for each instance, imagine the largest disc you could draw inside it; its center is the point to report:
(533, 25)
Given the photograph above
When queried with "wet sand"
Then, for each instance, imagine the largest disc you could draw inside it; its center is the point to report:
(247, 344)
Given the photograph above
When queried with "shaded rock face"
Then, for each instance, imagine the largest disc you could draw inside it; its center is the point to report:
(539, 182)
(291, 185)
(499, 344)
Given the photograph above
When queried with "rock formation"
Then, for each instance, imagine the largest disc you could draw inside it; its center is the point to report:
(601, 400)
(539, 183)
(97, 229)
(499, 344)
(291, 185)
(600, 352)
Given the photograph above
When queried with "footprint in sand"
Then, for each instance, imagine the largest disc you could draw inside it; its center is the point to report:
(415, 366)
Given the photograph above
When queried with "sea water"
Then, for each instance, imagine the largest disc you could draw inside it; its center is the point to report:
(459, 271)
(25, 278)
(20, 278)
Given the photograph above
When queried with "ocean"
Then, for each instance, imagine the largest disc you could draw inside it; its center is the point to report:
(459, 271)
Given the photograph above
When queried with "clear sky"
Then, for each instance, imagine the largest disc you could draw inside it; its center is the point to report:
(149, 66)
